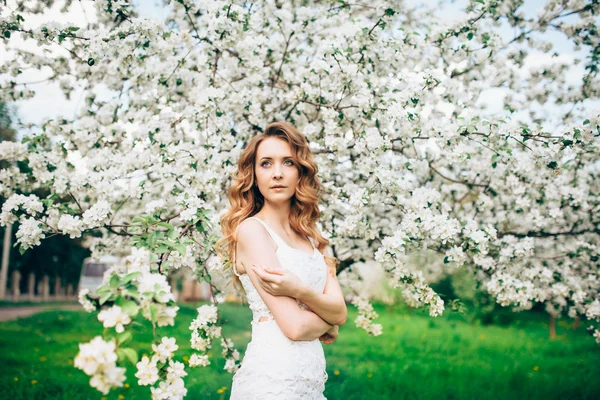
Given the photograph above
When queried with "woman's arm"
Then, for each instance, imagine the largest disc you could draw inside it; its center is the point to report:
(255, 246)
(329, 305)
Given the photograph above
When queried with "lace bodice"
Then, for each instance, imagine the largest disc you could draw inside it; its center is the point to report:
(310, 268)
(275, 367)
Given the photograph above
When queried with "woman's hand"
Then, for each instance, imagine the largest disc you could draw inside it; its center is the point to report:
(279, 281)
(330, 336)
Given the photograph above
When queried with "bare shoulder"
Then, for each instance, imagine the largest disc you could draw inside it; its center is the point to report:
(251, 233)
(252, 240)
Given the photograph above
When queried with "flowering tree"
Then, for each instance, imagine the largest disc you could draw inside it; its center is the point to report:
(390, 98)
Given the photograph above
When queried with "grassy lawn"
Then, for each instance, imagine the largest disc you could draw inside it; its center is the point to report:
(417, 357)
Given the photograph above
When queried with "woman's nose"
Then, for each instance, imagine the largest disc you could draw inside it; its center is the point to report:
(277, 170)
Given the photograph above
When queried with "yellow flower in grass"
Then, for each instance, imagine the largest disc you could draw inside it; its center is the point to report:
(121, 396)
(223, 389)
(34, 382)
(336, 372)
(16, 379)
(536, 368)
(126, 385)
(43, 358)
(369, 375)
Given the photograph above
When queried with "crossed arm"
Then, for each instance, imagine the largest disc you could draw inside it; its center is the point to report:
(329, 305)
(254, 246)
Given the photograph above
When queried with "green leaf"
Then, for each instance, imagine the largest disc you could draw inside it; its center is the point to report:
(131, 276)
(123, 337)
(446, 260)
(153, 312)
(114, 281)
(552, 165)
(586, 122)
(119, 301)
(105, 297)
(128, 353)
(139, 219)
(162, 249)
(166, 225)
(91, 61)
(152, 239)
(7, 34)
(132, 293)
(181, 249)
(131, 308)
(102, 289)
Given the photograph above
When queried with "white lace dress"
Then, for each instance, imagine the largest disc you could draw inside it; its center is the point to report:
(274, 366)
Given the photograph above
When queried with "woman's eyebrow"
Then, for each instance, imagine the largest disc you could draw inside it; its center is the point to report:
(270, 158)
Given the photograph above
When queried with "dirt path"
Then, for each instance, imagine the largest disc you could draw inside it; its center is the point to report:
(10, 313)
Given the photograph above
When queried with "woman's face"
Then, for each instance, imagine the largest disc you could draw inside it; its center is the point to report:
(274, 167)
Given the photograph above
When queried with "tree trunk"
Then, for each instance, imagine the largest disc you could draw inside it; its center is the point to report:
(552, 327)
(5, 258)
(576, 323)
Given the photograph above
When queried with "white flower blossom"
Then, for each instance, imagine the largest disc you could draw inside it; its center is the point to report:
(70, 225)
(114, 317)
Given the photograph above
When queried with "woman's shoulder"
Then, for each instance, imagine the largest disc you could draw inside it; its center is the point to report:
(250, 230)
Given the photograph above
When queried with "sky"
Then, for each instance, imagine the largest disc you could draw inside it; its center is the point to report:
(50, 102)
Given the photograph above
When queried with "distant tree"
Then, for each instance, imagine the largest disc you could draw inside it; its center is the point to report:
(60, 257)
(6, 123)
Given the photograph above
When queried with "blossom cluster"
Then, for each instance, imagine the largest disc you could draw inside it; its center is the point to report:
(366, 315)
(99, 360)
(85, 302)
(205, 330)
(161, 365)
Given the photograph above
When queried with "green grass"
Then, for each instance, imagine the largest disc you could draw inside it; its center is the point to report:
(417, 357)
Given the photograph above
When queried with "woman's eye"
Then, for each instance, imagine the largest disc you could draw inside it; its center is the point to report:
(289, 162)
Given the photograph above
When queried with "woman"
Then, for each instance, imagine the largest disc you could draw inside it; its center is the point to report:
(291, 286)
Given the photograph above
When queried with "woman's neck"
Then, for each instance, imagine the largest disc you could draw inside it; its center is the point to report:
(276, 216)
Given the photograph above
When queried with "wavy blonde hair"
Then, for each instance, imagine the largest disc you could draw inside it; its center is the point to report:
(246, 200)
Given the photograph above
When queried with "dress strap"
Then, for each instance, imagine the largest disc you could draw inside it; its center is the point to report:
(311, 242)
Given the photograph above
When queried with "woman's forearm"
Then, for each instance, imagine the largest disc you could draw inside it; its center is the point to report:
(329, 308)
(310, 326)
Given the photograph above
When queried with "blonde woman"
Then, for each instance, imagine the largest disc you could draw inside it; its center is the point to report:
(277, 256)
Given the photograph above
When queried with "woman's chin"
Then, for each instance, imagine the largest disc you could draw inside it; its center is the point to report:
(278, 198)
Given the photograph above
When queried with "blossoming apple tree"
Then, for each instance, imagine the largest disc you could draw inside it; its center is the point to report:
(391, 98)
